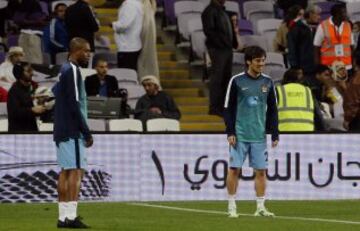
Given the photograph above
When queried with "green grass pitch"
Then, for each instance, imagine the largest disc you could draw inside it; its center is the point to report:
(343, 215)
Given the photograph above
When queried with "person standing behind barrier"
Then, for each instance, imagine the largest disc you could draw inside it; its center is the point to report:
(351, 102)
(80, 22)
(127, 30)
(71, 132)
(295, 104)
(250, 108)
(333, 39)
(55, 37)
(148, 61)
(300, 41)
(219, 42)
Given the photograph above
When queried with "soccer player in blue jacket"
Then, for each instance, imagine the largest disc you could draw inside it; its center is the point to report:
(250, 108)
(71, 132)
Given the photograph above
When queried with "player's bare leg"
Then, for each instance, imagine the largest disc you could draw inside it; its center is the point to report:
(63, 198)
(260, 187)
(232, 184)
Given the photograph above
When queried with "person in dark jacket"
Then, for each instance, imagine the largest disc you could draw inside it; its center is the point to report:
(219, 42)
(101, 84)
(300, 41)
(21, 110)
(71, 132)
(155, 103)
(81, 22)
(285, 5)
(55, 37)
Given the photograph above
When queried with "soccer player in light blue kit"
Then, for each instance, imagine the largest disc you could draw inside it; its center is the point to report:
(71, 132)
(250, 108)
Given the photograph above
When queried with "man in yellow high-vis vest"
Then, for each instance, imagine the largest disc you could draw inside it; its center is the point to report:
(295, 105)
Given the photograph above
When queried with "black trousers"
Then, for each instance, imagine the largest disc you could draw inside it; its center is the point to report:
(220, 75)
(128, 59)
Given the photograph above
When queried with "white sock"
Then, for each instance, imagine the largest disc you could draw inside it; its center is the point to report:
(62, 210)
(232, 200)
(260, 201)
(72, 210)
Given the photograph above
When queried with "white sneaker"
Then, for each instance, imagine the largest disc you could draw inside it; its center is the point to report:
(232, 212)
(263, 212)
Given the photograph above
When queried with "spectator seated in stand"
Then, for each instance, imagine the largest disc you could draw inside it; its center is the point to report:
(14, 56)
(55, 37)
(101, 84)
(155, 103)
(104, 85)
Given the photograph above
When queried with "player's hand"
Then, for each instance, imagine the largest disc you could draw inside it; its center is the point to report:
(274, 143)
(89, 142)
(38, 109)
(232, 140)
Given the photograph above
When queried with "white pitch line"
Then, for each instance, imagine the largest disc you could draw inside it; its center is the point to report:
(246, 215)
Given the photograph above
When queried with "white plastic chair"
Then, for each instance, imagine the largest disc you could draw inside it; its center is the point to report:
(124, 75)
(125, 125)
(232, 6)
(254, 40)
(85, 72)
(3, 110)
(198, 46)
(97, 125)
(162, 124)
(46, 127)
(4, 125)
(181, 7)
(61, 57)
(275, 60)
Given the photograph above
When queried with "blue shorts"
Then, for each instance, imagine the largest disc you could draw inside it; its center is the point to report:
(71, 154)
(258, 155)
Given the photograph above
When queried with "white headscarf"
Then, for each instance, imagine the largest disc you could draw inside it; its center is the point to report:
(151, 79)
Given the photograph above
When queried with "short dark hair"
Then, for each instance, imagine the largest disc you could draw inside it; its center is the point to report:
(337, 8)
(253, 52)
(18, 69)
(321, 69)
(291, 76)
(59, 4)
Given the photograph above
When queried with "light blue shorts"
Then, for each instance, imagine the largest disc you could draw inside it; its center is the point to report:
(71, 154)
(258, 155)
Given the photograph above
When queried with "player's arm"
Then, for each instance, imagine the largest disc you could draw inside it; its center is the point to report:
(272, 115)
(72, 98)
(230, 112)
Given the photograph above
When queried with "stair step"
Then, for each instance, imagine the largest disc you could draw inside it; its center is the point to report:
(194, 110)
(165, 47)
(97, 3)
(170, 65)
(192, 101)
(183, 83)
(106, 20)
(105, 30)
(175, 92)
(218, 127)
(166, 56)
(106, 11)
(174, 74)
(200, 118)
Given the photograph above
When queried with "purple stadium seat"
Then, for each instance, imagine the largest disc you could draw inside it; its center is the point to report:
(170, 11)
(325, 9)
(2, 57)
(12, 40)
(245, 27)
(44, 7)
